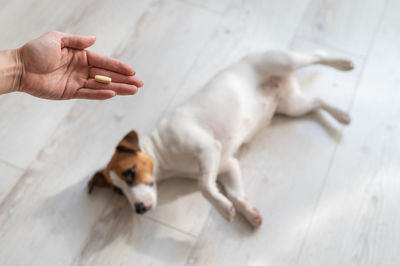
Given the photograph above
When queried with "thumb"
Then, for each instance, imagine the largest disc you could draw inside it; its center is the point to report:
(77, 41)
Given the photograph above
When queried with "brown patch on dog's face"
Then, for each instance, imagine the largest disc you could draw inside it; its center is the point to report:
(133, 168)
(129, 163)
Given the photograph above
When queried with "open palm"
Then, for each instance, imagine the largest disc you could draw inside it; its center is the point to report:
(56, 66)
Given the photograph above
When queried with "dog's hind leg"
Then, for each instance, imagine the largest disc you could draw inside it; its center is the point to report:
(294, 103)
(209, 159)
(300, 60)
(231, 180)
(284, 63)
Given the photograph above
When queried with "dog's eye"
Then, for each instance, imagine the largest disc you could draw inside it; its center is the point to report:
(130, 175)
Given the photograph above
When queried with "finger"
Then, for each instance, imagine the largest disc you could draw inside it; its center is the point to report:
(116, 77)
(105, 62)
(77, 41)
(90, 94)
(119, 88)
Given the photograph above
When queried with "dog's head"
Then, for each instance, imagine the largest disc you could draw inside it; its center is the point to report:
(130, 173)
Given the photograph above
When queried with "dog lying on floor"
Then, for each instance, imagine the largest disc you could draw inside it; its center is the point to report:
(201, 138)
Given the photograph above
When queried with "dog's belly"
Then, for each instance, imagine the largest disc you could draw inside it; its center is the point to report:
(238, 127)
(233, 110)
(228, 111)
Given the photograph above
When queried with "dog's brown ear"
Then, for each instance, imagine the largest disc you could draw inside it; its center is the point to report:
(130, 143)
(99, 179)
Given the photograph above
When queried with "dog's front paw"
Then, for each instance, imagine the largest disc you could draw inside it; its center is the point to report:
(255, 219)
(342, 64)
(230, 214)
(252, 214)
(343, 118)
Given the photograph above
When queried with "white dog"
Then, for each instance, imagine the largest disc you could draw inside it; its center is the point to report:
(201, 138)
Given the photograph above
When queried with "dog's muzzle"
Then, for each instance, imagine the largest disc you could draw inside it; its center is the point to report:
(140, 208)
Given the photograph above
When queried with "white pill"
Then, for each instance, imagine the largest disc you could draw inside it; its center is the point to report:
(102, 79)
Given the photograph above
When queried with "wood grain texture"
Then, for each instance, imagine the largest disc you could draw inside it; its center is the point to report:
(27, 123)
(8, 177)
(328, 194)
(121, 237)
(356, 221)
(343, 24)
(212, 5)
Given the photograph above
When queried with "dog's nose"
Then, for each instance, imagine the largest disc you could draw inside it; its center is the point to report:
(140, 208)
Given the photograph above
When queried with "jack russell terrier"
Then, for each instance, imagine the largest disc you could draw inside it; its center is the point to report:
(201, 137)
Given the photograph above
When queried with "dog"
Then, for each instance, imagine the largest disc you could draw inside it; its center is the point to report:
(200, 139)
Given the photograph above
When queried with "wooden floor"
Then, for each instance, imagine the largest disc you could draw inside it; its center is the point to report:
(329, 195)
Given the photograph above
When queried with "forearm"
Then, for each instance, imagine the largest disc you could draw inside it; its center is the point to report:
(10, 71)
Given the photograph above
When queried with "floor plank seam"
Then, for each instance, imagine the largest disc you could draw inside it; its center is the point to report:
(316, 204)
(297, 28)
(365, 63)
(351, 104)
(51, 135)
(22, 171)
(204, 8)
(169, 226)
(200, 234)
(87, 241)
(191, 68)
(12, 165)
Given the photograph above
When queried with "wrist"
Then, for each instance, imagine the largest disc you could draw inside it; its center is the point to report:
(11, 69)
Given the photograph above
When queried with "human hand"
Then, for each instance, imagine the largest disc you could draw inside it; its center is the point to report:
(56, 66)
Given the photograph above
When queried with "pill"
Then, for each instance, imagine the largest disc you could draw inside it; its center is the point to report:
(102, 79)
